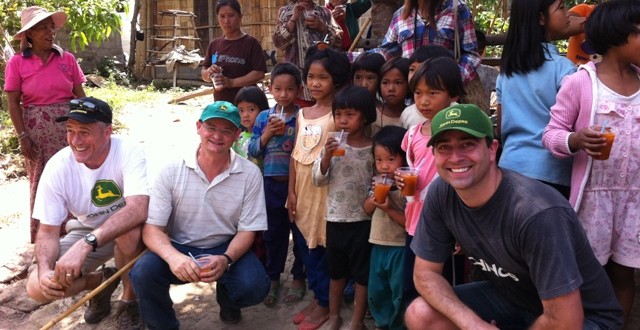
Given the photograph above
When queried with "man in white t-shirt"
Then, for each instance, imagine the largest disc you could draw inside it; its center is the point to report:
(209, 202)
(102, 181)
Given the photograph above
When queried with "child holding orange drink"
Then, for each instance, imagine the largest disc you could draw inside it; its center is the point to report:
(348, 178)
(604, 192)
(386, 288)
(436, 85)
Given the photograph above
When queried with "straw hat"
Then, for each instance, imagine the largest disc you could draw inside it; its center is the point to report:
(31, 16)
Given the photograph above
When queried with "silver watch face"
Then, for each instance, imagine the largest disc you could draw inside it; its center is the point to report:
(90, 238)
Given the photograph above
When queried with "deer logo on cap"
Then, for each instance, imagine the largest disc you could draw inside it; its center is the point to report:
(453, 113)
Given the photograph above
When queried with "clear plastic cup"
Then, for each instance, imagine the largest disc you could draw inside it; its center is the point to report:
(217, 83)
(605, 151)
(341, 137)
(202, 259)
(381, 187)
(309, 13)
(278, 116)
(410, 179)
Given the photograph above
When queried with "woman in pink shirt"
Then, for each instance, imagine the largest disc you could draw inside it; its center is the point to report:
(40, 81)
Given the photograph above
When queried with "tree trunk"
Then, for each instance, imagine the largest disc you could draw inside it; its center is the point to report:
(133, 40)
(381, 13)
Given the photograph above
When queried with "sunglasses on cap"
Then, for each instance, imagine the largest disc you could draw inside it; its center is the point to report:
(84, 105)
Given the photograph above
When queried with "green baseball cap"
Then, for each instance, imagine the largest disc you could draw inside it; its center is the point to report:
(462, 117)
(222, 110)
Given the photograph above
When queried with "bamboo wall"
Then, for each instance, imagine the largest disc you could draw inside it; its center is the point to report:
(259, 21)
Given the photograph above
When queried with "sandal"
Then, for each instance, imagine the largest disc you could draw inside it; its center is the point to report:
(272, 297)
(295, 295)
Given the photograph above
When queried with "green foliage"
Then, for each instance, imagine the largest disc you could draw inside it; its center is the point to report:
(89, 20)
(111, 69)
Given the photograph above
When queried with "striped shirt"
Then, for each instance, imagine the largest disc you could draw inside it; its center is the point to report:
(204, 214)
(406, 35)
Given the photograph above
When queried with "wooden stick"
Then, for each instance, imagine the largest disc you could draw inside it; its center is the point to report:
(93, 293)
(364, 26)
(191, 95)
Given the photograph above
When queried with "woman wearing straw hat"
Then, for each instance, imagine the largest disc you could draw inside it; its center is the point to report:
(44, 78)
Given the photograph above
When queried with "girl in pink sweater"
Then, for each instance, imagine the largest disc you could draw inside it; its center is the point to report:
(605, 193)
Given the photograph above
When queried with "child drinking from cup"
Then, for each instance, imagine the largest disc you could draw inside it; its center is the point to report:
(273, 139)
(385, 289)
(394, 90)
(436, 85)
(325, 71)
(348, 178)
(250, 100)
(605, 192)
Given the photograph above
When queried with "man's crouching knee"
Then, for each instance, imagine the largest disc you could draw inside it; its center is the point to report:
(420, 313)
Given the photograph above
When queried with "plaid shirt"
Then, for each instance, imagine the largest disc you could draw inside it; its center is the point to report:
(405, 35)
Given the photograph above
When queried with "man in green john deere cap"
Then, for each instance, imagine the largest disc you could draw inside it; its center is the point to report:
(523, 237)
(209, 202)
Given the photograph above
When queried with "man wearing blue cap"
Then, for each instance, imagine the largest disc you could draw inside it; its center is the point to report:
(211, 203)
(536, 267)
(102, 181)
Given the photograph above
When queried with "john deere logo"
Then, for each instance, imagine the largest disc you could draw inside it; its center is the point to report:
(453, 113)
(223, 108)
(105, 192)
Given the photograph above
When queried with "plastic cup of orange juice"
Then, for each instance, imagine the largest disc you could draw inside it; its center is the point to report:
(410, 179)
(278, 116)
(341, 137)
(381, 187)
(202, 259)
(605, 151)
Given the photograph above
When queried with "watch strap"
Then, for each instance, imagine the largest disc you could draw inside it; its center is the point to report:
(93, 243)
(229, 260)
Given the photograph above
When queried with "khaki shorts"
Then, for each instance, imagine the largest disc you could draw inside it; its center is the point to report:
(75, 232)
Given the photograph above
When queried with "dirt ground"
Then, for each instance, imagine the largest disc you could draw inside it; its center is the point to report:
(163, 130)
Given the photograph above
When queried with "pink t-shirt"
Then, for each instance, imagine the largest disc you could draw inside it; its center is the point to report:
(43, 83)
(418, 155)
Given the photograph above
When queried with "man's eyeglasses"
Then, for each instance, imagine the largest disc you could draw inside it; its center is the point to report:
(226, 132)
(84, 105)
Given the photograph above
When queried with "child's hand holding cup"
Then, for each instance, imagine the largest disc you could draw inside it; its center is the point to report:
(277, 124)
(609, 136)
(341, 138)
(382, 185)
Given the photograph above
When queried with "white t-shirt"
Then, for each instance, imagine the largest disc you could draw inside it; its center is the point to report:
(411, 116)
(91, 195)
(204, 214)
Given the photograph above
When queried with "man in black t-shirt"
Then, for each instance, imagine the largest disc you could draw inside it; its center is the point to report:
(525, 239)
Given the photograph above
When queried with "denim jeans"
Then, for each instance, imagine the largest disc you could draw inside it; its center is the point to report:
(315, 262)
(245, 284)
(483, 298)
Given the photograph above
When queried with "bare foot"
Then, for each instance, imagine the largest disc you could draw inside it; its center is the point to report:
(335, 322)
(313, 321)
(305, 312)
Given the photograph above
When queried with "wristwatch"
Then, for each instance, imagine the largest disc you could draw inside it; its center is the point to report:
(229, 260)
(91, 240)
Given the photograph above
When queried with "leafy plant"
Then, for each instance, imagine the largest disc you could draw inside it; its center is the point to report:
(89, 20)
(111, 69)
